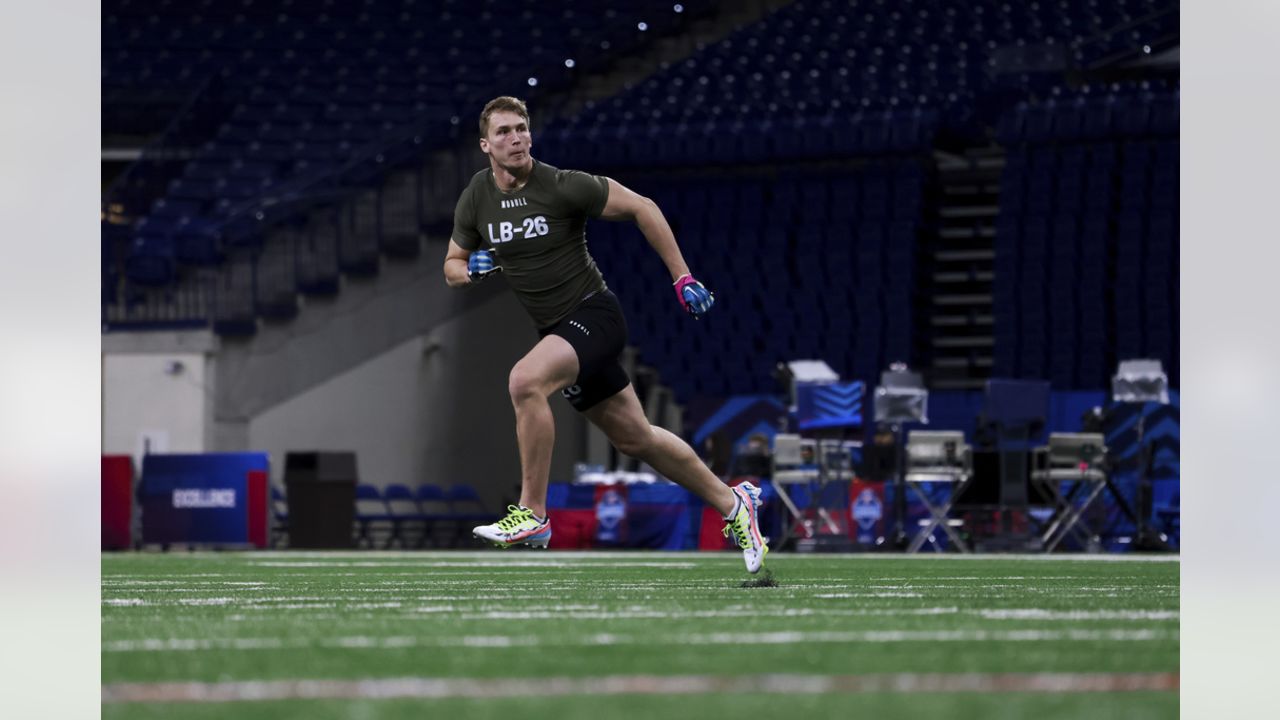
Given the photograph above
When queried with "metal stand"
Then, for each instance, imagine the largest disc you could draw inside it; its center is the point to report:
(900, 537)
(899, 399)
(824, 407)
(1148, 538)
(827, 462)
(1143, 381)
(938, 457)
(1071, 459)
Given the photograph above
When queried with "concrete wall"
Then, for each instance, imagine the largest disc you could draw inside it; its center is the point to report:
(406, 372)
(160, 399)
(433, 409)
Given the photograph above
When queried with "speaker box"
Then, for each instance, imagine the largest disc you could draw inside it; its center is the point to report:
(321, 488)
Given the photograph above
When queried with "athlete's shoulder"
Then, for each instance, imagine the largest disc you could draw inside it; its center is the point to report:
(565, 177)
(477, 181)
(544, 173)
(582, 191)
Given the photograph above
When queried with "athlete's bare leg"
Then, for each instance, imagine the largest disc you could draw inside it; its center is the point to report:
(623, 421)
(551, 365)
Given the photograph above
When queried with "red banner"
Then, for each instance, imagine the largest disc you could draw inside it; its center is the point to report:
(572, 529)
(256, 505)
(711, 531)
(866, 512)
(117, 502)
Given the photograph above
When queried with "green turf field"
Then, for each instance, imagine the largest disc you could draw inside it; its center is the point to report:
(595, 635)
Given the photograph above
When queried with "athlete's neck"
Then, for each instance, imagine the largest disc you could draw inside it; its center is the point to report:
(511, 179)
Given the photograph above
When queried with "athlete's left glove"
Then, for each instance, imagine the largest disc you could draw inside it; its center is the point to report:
(480, 266)
(694, 297)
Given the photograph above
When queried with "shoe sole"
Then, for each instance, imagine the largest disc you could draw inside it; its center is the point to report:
(538, 542)
(753, 493)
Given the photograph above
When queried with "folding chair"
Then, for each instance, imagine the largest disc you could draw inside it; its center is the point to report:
(371, 510)
(791, 468)
(433, 503)
(1072, 460)
(404, 511)
(466, 509)
(279, 518)
(938, 457)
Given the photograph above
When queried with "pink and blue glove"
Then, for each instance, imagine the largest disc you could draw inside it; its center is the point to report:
(694, 297)
(480, 266)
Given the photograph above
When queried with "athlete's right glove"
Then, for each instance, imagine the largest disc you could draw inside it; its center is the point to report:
(480, 266)
(695, 298)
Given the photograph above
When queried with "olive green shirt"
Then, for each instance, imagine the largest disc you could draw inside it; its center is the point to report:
(537, 234)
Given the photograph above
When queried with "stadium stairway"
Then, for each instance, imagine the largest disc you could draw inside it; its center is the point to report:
(958, 285)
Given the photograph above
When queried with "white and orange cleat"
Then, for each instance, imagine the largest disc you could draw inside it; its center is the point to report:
(744, 524)
(519, 527)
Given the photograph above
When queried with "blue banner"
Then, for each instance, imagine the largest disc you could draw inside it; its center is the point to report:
(829, 405)
(197, 498)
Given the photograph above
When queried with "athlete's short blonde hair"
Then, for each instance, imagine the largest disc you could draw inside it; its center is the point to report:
(504, 103)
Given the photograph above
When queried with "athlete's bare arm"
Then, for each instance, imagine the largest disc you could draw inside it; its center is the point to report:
(455, 265)
(624, 204)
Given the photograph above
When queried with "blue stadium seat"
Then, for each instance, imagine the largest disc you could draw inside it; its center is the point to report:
(151, 260)
(1132, 116)
(406, 516)
(372, 515)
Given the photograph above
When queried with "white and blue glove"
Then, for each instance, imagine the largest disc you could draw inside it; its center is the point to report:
(694, 297)
(480, 266)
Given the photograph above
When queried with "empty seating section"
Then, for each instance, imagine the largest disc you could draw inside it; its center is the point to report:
(815, 264)
(1087, 239)
(792, 157)
(822, 78)
(261, 98)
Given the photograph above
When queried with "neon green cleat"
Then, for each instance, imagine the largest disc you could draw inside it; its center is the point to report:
(519, 527)
(745, 527)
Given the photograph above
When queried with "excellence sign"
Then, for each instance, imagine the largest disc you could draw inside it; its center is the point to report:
(217, 499)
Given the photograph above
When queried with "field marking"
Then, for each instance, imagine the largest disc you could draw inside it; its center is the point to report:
(557, 564)
(1043, 614)
(526, 611)
(130, 580)
(783, 637)
(774, 684)
(684, 555)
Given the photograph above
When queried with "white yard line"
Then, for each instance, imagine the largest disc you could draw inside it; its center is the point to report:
(496, 610)
(408, 562)
(765, 638)
(449, 557)
(625, 555)
(777, 684)
(1042, 614)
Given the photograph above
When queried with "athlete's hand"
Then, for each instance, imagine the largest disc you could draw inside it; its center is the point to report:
(480, 266)
(694, 297)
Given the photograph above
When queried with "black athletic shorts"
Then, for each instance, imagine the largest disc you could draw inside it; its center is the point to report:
(597, 331)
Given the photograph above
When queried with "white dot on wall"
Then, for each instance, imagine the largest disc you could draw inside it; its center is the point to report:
(569, 62)
(533, 81)
(643, 26)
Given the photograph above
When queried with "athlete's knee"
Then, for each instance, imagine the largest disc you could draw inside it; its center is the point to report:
(524, 383)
